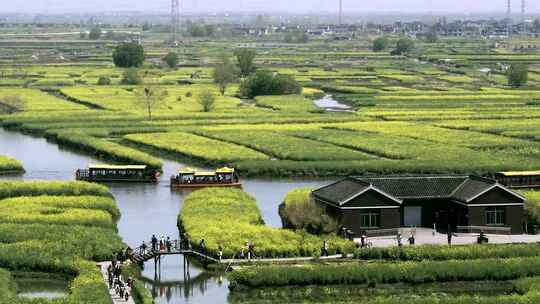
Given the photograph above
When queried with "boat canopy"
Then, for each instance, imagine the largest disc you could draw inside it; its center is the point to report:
(205, 174)
(520, 173)
(114, 167)
(225, 170)
(187, 171)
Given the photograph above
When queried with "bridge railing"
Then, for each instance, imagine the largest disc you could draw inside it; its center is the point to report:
(176, 246)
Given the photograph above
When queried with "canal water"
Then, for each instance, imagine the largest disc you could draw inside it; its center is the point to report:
(148, 209)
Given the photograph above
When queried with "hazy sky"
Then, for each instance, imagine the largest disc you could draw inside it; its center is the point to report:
(457, 6)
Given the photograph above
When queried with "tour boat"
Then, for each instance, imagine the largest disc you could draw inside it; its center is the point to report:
(519, 179)
(192, 178)
(111, 173)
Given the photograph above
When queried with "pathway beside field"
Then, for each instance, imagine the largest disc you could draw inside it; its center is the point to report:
(115, 298)
(425, 236)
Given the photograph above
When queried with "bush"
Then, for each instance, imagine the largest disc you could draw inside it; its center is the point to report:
(207, 100)
(131, 77)
(267, 83)
(171, 59)
(128, 55)
(299, 211)
(104, 81)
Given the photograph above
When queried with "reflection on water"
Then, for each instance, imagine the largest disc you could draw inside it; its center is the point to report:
(48, 288)
(148, 209)
(329, 103)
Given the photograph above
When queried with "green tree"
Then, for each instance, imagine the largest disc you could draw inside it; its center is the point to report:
(127, 55)
(380, 44)
(432, 37)
(207, 100)
(518, 75)
(171, 59)
(404, 46)
(224, 74)
(536, 25)
(95, 34)
(246, 60)
(267, 83)
(131, 77)
(151, 98)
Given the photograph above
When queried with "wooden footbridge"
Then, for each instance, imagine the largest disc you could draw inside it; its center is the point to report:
(175, 247)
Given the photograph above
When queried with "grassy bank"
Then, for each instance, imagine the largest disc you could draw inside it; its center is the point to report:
(230, 218)
(58, 228)
(379, 272)
(10, 166)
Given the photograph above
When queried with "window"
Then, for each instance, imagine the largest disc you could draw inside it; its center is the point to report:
(370, 219)
(495, 216)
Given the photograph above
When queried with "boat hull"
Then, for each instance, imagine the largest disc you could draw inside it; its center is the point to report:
(198, 186)
(117, 180)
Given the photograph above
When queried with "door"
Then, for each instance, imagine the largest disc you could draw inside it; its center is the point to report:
(413, 216)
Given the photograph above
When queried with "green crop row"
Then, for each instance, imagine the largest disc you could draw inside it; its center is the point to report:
(108, 150)
(10, 189)
(383, 272)
(195, 147)
(441, 253)
(230, 218)
(283, 146)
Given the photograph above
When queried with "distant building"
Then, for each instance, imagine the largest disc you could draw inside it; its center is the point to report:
(448, 202)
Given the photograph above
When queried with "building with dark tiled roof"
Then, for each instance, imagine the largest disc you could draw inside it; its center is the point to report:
(446, 202)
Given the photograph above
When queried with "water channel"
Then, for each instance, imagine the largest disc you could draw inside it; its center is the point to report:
(146, 210)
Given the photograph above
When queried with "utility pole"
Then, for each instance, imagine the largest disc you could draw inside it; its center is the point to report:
(175, 21)
(509, 17)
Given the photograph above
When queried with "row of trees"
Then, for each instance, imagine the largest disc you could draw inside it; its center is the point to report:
(403, 45)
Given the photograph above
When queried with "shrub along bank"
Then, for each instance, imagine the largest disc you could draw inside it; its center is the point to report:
(383, 272)
(230, 218)
(10, 166)
(57, 227)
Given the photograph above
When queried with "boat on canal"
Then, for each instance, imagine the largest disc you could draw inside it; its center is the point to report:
(113, 173)
(190, 178)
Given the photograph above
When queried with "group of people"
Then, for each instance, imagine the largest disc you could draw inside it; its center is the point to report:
(411, 239)
(163, 244)
(122, 288)
(247, 251)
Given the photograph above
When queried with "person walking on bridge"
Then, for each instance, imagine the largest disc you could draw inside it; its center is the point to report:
(202, 246)
(154, 242)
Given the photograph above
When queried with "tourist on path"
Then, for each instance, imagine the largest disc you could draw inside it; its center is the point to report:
(168, 243)
(143, 248)
(154, 242)
(220, 253)
(251, 250)
(202, 246)
(162, 243)
(399, 240)
(412, 240)
(325, 248)
(449, 236)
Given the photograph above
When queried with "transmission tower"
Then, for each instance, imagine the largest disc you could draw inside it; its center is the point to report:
(340, 12)
(523, 23)
(175, 21)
